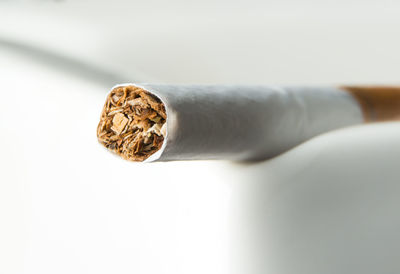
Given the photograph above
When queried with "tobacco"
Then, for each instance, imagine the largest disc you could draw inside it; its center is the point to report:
(132, 123)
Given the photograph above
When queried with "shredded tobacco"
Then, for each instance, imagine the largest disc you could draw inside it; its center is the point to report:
(132, 123)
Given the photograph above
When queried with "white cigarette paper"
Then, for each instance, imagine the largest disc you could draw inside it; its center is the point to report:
(228, 121)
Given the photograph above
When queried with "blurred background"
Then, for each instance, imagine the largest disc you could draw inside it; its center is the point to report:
(68, 206)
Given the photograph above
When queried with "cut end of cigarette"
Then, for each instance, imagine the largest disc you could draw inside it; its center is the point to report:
(132, 123)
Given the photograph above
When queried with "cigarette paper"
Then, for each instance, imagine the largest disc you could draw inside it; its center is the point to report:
(154, 122)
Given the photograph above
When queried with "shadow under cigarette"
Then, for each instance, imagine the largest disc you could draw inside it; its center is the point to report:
(328, 206)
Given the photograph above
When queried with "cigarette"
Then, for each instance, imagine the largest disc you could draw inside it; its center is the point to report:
(153, 122)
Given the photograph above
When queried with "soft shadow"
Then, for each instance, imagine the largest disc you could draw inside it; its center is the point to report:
(69, 65)
(328, 206)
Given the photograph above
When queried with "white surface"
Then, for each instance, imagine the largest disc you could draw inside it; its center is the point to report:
(68, 206)
(258, 41)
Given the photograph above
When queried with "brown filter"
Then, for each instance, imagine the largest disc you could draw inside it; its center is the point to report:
(132, 123)
(378, 103)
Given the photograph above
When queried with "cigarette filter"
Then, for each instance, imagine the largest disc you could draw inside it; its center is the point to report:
(153, 122)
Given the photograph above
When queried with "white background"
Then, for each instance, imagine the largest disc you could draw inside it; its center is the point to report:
(68, 206)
